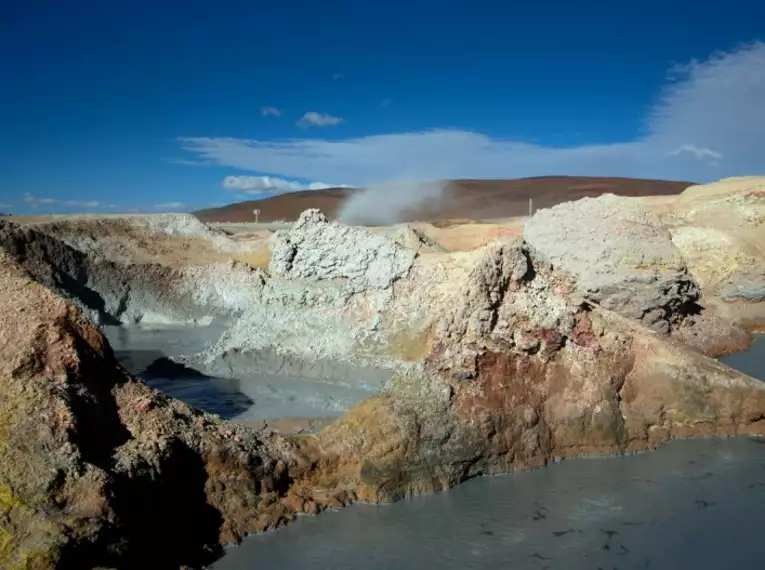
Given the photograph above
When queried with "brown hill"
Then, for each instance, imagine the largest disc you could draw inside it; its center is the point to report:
(463, 199)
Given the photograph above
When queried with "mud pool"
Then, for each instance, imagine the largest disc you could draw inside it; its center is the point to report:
(696, 504)
(752, 361)
(146, 351)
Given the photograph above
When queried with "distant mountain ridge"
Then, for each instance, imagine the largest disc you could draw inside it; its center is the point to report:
(462, 199)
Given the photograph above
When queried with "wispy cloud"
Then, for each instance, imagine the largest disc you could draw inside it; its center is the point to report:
(270, 111)
(5, 206)
(314, 119)
(170, 206)
(186, 162)
(270, 184)
(710, 109)
(36, 201)
(337, 76)
(696, 152)
(386, 102)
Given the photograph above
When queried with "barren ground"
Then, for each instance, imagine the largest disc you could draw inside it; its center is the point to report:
(463, 199)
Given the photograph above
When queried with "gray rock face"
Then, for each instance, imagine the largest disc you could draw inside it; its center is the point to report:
(315, 249)
(744, 287)
(113, 293)
(111, 237)
(621, 255)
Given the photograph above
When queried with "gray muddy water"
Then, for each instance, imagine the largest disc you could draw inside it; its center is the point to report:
(696, 505)
(145, 351)
(751, 362)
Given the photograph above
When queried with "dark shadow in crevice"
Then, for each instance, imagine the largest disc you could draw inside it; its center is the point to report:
(163, 514)
(55, 264)
(77, 288)
(98, 429)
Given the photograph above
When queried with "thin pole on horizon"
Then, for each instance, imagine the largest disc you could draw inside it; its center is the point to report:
(257, 215)
(531, 207)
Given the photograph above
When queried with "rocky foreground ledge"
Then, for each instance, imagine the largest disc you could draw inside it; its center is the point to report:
(565, 342)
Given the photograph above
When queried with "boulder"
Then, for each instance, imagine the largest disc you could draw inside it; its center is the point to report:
(316, 249)
(620, 255)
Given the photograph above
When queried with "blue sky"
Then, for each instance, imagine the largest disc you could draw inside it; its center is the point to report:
(170, 105)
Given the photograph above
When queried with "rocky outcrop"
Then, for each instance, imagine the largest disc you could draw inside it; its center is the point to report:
(316, 249)
(720, 230)
(521, 368)
(114, 292)
(523, 372)
(96, 469)
(135, 238)
(621, 256)
(502, 358)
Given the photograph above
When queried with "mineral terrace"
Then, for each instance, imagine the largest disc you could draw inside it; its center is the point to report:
(587, 329)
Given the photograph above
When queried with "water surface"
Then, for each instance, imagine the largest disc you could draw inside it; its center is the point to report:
(144, 350)
(696, 504)
(751, 362)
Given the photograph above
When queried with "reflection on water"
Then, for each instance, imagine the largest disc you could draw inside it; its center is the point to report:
(145, 352)
(696, 505)
(284, 397)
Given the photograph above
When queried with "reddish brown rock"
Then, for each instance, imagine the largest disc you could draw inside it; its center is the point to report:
(98, 469)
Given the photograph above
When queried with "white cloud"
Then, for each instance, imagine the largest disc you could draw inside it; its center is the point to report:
(270, 111)
(185, 162)
(36, 201)
(170, 206)
(696, 152)
(5, 206)
(314, 119)
(714, 105)
(337, 76)
(81, 204)
(263, 184)
(385, 102)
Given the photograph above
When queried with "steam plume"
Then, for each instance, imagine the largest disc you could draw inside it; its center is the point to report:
(391, 202)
